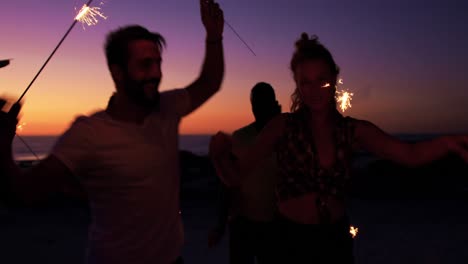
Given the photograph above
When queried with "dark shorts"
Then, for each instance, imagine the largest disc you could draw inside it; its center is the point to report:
(179, 260)
(251, 240)
(318, 244)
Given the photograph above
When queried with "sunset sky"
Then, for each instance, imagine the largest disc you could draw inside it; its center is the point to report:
(405, 60)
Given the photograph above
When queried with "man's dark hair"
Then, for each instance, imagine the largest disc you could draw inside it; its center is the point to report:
(117, 43)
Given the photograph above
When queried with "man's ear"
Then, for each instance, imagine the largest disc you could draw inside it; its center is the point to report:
(116, 73)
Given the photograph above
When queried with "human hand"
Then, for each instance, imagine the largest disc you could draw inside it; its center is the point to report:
(220, 145)
(223, 160)
(8, 122)
(213, 19)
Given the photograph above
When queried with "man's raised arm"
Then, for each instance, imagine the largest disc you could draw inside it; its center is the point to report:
(212, 72)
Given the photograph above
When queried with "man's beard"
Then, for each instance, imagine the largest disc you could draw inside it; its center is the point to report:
(135, 90)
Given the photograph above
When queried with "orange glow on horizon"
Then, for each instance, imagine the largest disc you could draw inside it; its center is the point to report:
(65, 91)
(198, 123)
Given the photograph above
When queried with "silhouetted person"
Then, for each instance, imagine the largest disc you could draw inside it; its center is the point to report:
(314, 145)
(252, 206)
(126, 157)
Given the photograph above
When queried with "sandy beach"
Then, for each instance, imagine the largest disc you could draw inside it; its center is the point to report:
(428, 226)
(391, 231)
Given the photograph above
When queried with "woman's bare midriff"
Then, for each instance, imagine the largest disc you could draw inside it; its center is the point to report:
(303, 209)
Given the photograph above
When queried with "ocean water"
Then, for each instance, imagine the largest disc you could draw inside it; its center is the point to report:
(28, 147)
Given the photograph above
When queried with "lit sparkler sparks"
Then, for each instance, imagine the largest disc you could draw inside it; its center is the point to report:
(343, 98)
(20, 127)
(353, 231)
(86, 14)
(89, 15)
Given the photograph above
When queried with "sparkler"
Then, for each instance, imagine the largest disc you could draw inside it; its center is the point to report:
(235, 32)
(353, 231)
(86, 15)
(20, 127)
(342, 97)
(89, 15)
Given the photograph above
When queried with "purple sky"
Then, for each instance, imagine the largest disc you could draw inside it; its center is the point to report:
(404, 60)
